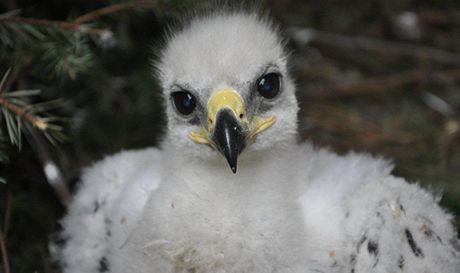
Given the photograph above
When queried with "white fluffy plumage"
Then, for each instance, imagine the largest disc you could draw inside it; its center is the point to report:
(290, 207)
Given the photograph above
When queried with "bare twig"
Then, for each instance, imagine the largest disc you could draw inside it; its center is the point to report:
(380, 84)
(400, 49)
(21, 112)
(57, 24)
(5, 260)
(114, 8)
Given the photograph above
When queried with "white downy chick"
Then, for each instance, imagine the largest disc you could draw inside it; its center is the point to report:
(281, 207)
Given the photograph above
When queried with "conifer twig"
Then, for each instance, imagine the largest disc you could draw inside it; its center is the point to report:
(21, 112)
(112, 9)
(57, 24)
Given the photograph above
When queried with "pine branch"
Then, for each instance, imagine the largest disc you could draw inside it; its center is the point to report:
(58, 24)
(45, 52)
(90, 16)
(69, 55)
(21, 112)
(15, 110)
(28, 31)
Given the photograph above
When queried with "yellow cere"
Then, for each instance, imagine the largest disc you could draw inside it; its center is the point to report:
(229, 98)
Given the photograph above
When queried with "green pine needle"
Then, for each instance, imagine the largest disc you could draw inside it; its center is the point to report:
(5, 76)
(22, 93)
(29, 118)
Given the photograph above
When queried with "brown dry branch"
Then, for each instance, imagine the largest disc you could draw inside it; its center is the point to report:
(381, 84)
(113, 9)
(400, 49)
(58, 24)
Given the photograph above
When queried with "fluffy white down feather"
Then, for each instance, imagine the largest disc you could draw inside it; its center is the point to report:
(290, 208)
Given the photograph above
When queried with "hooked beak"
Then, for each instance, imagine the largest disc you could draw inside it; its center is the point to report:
(228, 129)
(229, 137)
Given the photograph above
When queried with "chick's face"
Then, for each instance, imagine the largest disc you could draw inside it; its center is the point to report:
(227, 87)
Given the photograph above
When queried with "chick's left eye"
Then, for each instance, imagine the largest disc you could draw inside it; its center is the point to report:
(269, 85)
(184, 102)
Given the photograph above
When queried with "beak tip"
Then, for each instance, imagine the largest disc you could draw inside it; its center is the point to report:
(232, 163)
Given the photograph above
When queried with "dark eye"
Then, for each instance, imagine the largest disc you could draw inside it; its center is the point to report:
(269, 85)
(184, 101)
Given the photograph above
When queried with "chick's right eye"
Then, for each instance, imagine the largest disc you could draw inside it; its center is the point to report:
(184, 102)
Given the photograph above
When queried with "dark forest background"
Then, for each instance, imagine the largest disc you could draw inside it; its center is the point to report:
(380, 76)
